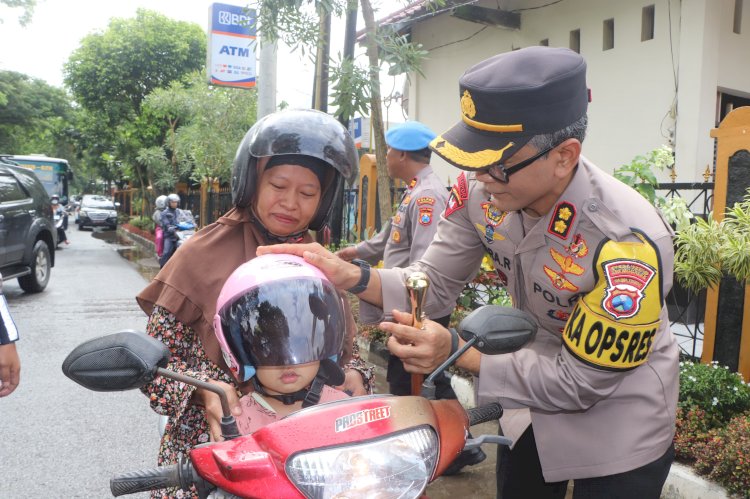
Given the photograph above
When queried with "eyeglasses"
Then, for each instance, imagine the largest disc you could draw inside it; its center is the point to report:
(501, 172)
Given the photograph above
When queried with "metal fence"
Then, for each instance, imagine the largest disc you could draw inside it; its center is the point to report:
(686, 309)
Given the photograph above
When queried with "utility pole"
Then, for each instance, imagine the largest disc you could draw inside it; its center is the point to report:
(266, 79)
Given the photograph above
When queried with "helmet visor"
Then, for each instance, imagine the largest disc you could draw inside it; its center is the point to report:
(286, 322)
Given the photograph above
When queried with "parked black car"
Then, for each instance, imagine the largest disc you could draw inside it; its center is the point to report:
(97, 211)
(27, 232)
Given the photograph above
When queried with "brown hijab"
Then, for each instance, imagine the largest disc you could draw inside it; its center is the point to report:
(190, 282)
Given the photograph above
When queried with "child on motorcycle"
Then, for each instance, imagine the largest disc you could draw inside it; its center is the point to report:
(280, 324)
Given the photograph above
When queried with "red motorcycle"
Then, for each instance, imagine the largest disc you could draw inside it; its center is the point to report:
(373, 446)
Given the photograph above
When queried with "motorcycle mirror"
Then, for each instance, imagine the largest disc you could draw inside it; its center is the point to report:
(116, 362)
(497, 329)
(492, 330)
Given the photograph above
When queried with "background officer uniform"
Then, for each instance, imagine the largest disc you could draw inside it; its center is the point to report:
(409, 232)
(600, 379)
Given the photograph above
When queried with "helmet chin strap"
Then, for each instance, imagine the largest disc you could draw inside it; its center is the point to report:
(309, 396)
(328, 373)
(272, 238)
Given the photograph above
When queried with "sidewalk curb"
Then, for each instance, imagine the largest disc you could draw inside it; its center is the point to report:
(682, 482)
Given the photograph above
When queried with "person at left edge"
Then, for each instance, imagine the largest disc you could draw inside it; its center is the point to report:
(286, 174)
(10, 364)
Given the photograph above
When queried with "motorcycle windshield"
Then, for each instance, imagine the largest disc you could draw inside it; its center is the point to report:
(284, 323)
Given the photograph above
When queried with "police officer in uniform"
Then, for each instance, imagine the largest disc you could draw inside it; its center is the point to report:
(593, 398)
(406, 237)
(410, 231)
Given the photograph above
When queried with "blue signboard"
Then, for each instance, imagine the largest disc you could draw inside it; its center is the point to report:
(231, 46)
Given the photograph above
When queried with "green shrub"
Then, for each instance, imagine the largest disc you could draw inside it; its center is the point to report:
(143, 223)
(720, 393)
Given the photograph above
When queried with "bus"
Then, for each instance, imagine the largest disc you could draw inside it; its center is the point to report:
(54, 173)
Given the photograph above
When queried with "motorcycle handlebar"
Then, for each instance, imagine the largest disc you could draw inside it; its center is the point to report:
(182, 475)
(484, 413)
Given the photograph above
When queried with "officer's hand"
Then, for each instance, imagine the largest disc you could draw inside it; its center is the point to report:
(421, 350)
(347, 254)
(342, 275)
(212, 406)
(10, 369)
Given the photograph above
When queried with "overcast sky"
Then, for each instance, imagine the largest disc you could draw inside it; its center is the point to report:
(42, 47)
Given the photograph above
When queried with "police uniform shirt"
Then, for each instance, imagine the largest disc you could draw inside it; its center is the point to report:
(600, 378)
(412, 228)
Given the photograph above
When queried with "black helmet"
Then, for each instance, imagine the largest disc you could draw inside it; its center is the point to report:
(303, 132)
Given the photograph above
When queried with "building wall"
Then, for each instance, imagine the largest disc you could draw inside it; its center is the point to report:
(644, 93)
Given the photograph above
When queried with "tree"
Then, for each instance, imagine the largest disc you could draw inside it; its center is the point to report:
(356, 88)
(205, 125)
(34, 115)
(26, 6)
(112, 72)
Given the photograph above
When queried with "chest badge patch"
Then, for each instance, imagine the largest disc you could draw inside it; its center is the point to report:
(578, 248)
(562, 220)
(567, 266)
(626, 280)
(396, 236)
(459, 194)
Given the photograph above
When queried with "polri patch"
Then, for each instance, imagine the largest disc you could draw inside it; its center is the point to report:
(425, 215)
(626, 280)
(459, 194)
(562, 220)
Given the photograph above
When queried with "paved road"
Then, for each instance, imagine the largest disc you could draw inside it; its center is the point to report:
(60, 440)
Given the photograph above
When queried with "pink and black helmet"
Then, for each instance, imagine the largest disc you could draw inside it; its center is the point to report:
(278, 310)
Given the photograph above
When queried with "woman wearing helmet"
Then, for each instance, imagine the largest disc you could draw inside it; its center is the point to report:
(286, 174)
(161, 204)
(280, 323)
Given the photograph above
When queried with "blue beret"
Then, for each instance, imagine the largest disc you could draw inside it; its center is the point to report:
(409, 136)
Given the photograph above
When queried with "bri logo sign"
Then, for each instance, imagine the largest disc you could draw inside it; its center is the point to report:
(233, 19)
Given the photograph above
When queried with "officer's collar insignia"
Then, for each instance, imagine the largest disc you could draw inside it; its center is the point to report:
(459, 194)
(425, 200)
(562, 220)
(412, 183)
(578, 248)
(467, 105)
(492, 215)
(465, 159)
(397, 218)
(425, 215)
(406, 200)
(626, 280)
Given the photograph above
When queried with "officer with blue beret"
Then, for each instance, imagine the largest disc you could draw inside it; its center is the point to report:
(404, 239)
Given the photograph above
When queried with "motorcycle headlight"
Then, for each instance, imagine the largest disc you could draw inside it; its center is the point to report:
(397, 466)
